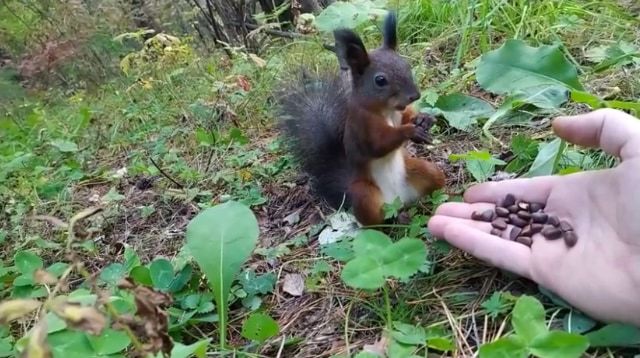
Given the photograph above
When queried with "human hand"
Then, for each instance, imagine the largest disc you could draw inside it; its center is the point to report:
(600, 275)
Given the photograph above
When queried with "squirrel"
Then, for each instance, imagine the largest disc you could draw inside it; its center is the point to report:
(348, 131)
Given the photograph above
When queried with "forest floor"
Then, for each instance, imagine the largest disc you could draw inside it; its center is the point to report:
(153, 151)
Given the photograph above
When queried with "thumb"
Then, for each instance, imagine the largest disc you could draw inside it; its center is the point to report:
(615, 132)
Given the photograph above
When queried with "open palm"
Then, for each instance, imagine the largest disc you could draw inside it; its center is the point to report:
(600, 275)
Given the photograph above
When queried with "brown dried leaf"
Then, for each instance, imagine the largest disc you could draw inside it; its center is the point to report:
(37, 346)
(44, 278)
(293, 284)
(14, 309)
(87, 319)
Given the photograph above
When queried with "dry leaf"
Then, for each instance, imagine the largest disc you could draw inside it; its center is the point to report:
(14, 309)
(87, 319)
(243, 83)
(292, 218)
(44, 278)
(378, 348)
(257, 60)
(293, 284)
(37, 346)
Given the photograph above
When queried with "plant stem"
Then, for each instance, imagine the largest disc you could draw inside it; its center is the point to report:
(387, 302)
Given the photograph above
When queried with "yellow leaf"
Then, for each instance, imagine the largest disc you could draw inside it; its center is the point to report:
(257, 60)
(37, 346)
(44, 278)
(14, 309)
(87, 319)
(245, 174)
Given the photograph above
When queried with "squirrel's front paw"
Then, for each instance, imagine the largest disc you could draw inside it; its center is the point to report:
(420, 135)
(423, 123)
(424, 120)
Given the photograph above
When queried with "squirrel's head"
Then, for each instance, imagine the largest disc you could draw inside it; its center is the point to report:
(381, 78)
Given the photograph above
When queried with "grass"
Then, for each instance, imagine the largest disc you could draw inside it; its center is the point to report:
(155, 147)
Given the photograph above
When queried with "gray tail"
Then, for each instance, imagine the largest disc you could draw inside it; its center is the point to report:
(312, 111)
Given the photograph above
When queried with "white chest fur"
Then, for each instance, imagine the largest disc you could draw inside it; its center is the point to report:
(389, 172)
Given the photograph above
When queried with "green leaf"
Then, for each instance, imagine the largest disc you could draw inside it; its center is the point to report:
(341, 250)
(27, 262)
(528, 318)
(400, 350)
(109, 342)
(131, 259)
(559, 344)
(181, 279)
(574, 322)
(65, 146)
(506, 347)
(141, 275)
(408, 334)
(404, 258)
(548, 156)
(545, 97)
(370, 243)
(462, 111)
(495, 306)
(348, 14)
(363, 273)
(480, 164)
(589, 99)
(70, 344)
(615, 335)
(221, 238)
(57, 269)
(113, 273)
(259, 327)
(515, 66)
(253, 284)
(198, 349)
(161, 273)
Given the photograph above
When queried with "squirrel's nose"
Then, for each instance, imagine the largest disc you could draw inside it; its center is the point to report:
(414, 97)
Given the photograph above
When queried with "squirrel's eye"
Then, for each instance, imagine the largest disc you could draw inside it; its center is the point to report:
(380, 80)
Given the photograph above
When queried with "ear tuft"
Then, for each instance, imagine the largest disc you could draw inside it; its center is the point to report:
(389, 36)
(351, 50)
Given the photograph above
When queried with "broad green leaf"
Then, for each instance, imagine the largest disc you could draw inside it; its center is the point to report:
(545, 97)
(495, 305)
(57, 269)
(528, 318)
(506, 347)
(259, 327)
(404, 258)
(181, 279)
(408, 334)
(366, 355)
(398, 349)
(348, 14)
(548, 156)
(462, 111)
(587, 98)
(615, 335)
(198, 349)
(559, 344)
(27, 262)
(441, 344)
(480, 164)
(364, 273)
(516, 66)
(370, 243)
(161, 273)
(113, 273)
(340, 250)
(141, 275)
(70, 344)
(65, 146)
(574, 322)
(109, 342)
(221, 238)
(6, 347)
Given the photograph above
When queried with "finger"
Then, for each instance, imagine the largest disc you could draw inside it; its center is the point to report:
(529, 189)
(438, 224)
(505, 254)
(462, 210)
(615, 132)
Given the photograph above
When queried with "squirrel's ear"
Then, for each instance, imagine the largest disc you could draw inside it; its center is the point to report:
(389, 36)
(351, 50)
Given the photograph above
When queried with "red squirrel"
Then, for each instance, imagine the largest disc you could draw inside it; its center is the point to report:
(349, 132)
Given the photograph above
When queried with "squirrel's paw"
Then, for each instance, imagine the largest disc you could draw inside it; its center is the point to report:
(424, 120)
(423, 123)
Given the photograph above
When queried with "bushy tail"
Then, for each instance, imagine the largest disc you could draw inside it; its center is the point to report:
(312, 110)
